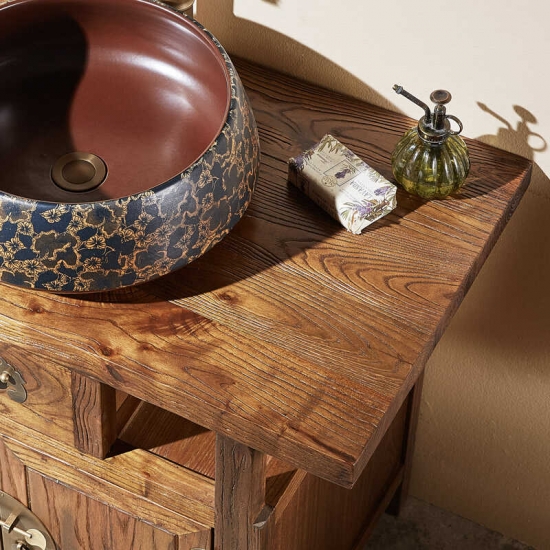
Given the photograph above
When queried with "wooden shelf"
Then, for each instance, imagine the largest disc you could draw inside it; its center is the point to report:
(180, 441)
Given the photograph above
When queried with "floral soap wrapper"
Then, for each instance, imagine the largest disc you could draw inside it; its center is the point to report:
(342, 184)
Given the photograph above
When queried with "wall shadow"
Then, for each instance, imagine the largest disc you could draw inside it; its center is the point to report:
(512, 308)
(519, 139)
(241, 38)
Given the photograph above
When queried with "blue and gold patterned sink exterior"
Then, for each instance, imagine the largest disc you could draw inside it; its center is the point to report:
(106, 244)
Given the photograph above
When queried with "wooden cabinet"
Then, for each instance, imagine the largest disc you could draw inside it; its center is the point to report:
(157, 489)
(265, 396)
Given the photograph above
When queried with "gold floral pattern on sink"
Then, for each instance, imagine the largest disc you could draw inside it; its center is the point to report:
(108, 244)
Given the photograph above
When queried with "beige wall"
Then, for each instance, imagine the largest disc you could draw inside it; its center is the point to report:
(484, 436)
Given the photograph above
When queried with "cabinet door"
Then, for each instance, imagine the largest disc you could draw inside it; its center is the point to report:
(91, 504)
(77, 521)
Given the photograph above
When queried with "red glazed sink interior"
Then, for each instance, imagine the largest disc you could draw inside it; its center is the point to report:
(130, 82)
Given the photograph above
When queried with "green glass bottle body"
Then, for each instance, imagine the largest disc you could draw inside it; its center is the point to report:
(430, 170)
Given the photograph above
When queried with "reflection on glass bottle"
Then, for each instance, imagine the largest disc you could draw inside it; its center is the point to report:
(431, 160)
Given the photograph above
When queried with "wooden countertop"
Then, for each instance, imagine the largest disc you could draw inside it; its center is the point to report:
(292, 336)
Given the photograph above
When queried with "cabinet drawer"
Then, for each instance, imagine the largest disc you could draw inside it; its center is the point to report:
(59, 402)
(47, 407)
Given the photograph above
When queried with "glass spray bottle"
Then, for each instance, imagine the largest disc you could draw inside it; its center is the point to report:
(431, 160)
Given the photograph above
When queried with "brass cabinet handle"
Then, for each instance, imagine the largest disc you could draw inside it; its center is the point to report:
(20, 528)
(12, 381)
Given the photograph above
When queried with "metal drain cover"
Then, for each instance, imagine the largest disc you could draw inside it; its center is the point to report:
(79, 171)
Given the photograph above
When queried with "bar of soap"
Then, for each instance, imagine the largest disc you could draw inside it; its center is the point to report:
(342, 184)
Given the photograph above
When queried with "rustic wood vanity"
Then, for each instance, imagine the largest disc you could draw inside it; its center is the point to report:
(265, 396)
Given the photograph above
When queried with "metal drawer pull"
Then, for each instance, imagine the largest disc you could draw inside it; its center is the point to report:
(33, 537)
(12, 381)
(22, 528)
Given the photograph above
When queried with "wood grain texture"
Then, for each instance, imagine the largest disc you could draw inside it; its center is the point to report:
(182, 442)
(13, 480)
(142, 485)
(77, 521)
(48, 407)
(292, 336)
(94, 415)
(413, 411)
(240, 496)
(171, 437)
(323, 516)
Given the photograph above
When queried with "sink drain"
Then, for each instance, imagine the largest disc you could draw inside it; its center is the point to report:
(79, 171)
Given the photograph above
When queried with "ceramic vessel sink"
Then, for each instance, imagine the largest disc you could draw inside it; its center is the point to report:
(127, 145)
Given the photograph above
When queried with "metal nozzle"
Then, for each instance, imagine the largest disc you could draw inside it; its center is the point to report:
(399, 90)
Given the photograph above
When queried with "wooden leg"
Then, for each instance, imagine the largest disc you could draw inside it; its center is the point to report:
(240, 497)
(94, 415)
(402, 492)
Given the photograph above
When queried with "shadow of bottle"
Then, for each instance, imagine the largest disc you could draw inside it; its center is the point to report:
(521, 139)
